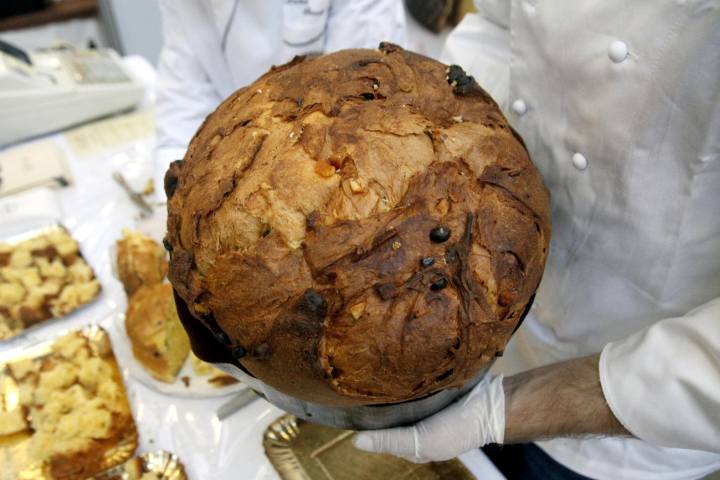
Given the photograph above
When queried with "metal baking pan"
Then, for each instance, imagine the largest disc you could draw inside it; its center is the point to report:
(361, 417)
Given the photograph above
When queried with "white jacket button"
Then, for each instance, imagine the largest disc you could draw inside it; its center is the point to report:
(519, 107)
(618, 51)
(579, 161)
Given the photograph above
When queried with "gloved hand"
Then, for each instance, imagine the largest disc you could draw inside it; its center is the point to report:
(474, 420)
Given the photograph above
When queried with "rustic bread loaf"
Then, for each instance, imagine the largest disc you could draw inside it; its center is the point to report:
(362, 227)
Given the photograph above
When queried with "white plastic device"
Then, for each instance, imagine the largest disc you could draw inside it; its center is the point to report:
(61, 88)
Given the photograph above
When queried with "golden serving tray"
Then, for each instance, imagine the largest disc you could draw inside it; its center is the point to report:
(165, 465)
(17, 462)
(305, 451)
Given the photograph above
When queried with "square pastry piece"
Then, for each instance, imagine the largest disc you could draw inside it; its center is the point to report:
(64, 412)
(42, 277)
(141, 261)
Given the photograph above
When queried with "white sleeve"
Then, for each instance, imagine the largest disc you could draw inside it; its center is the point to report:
(663, 383)
(364, 24)
(480, 44)
(185, 94)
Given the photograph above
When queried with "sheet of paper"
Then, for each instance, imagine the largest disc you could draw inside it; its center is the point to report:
(35, 164)
(110, 134)
(35, 203)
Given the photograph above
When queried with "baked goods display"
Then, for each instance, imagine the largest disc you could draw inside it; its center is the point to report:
(64, 412)
(140, 261)
(40, 278)
(158, 340)
(358, 228)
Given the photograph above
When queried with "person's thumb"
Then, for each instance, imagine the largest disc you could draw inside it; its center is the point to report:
(401, 442)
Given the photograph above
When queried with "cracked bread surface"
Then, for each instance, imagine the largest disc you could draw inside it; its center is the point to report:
(362, 227)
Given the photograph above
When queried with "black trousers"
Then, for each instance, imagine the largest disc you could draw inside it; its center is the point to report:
(527, 461)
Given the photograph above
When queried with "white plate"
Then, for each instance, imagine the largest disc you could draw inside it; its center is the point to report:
(197, 386)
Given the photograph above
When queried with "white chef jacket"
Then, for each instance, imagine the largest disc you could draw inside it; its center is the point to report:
(213, 47)
(619, 105)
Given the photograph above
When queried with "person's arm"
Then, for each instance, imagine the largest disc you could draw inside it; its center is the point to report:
(562, 399)
(661, 385)
(185, 94)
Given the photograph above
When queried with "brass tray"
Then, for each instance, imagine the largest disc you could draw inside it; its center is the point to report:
(305, 451)
(26, 448)
(164, 465)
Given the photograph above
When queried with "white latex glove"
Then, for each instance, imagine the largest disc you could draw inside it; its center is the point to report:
(474, 420)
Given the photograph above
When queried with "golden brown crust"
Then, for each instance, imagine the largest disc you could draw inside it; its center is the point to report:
(140, 261)
(42, 277)
(299, 217)
(158, 340)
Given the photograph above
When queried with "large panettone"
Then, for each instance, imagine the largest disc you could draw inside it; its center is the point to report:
(358, 228)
